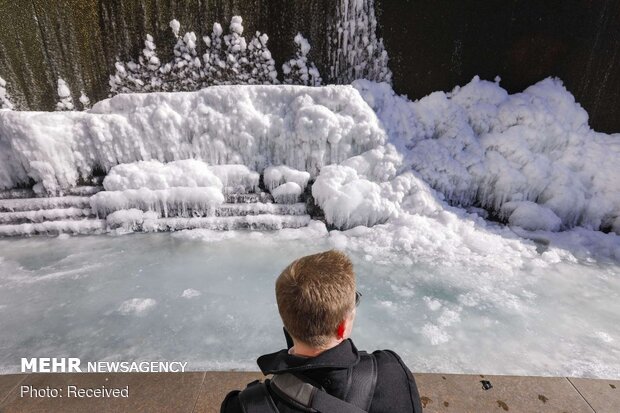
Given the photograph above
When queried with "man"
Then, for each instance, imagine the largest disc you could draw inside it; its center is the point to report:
(322, 370)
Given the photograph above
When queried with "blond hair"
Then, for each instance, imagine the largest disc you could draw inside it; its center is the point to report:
(315, 294)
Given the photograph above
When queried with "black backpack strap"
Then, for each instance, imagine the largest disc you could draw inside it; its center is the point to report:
(256, 399)
(309, 398)
(363, 381)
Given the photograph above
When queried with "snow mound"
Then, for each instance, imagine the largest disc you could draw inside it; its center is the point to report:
(157, 175)
(349, 200)
(481, 147)
(531, 216)
(236, 178)
(256, 126)
(287, 193)
(275, 176)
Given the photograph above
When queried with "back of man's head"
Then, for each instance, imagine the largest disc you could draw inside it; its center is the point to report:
(315, 294)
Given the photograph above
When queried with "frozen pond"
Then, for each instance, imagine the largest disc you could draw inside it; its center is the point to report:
(211, 303)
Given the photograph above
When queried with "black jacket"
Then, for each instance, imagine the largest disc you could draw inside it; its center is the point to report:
(395, 392)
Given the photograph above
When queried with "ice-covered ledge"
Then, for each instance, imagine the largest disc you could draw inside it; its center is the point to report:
(203, 392)
(302, 127)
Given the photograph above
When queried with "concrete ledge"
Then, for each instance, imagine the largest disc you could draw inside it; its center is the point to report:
(204, 391)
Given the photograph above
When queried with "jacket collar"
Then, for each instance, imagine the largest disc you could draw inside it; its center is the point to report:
(343, 356)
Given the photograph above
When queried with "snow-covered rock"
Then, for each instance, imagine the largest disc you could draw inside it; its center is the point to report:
(531, 216)
(236, 178)
(287, 193)
(275, 176)
(349, 200)
(158, 175)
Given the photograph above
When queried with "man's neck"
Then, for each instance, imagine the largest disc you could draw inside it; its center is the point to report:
(304, 350)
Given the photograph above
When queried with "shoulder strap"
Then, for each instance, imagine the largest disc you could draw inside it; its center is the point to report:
(256, 399)
(292, 388)
(363, 382)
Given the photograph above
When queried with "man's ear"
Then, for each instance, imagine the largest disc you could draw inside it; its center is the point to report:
(342, 328)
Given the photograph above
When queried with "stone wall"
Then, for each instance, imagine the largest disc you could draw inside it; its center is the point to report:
(437, 44)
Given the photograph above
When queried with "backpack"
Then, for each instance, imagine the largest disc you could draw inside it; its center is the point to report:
(304, 397)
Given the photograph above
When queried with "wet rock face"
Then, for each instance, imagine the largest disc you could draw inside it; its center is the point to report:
(435, 45)
(79, 40)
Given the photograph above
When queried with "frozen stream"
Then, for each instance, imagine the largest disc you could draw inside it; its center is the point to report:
(171, 297)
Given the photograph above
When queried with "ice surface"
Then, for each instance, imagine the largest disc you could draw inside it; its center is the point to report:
(453, 299)
(190, 293)
(137, 306)
(447, 289)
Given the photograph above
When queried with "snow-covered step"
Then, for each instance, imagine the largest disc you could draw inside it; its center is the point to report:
(84, 190)
(223, 210)
(74, 227)
(42, 215)
(17, 193)
(227, 210)
(33, 204)
(247, 198)
(265, 222)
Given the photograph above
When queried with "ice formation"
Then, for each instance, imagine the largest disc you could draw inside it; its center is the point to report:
(480, 146)
(356, 52)
(274, 176)
(158, 175)
(262, 66)
(349, 200)
(172, 201)
(236, 178)
(287, 193)
(65, 101)
(257, 126)
(223, 60)
(5, 101)
(84, 101)
(299, 71)
(529, 159)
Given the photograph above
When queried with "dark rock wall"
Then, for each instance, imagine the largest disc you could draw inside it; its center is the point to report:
(79, 40)
(437, 44)
(433, 44)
